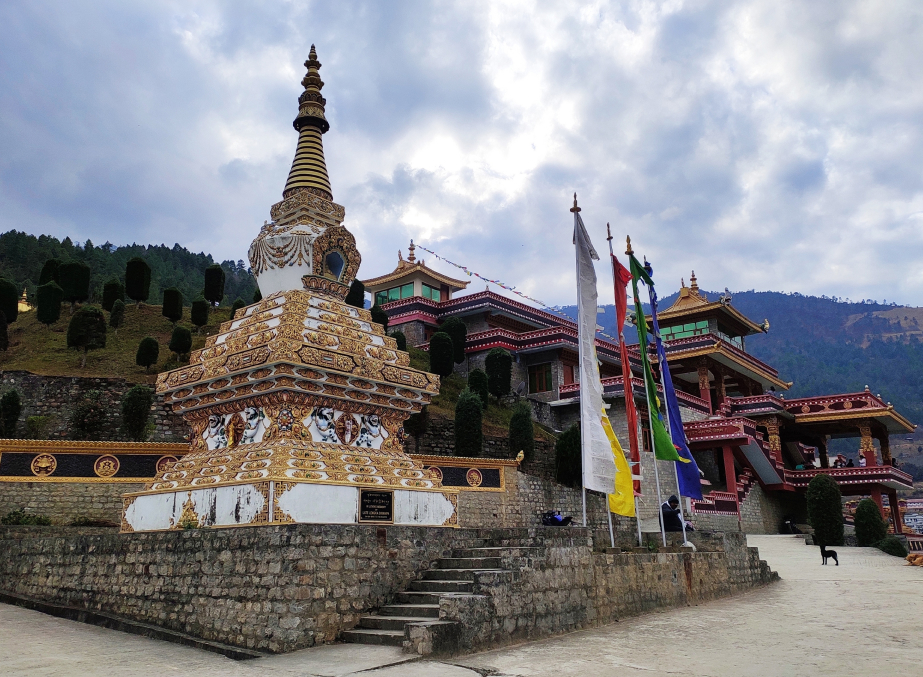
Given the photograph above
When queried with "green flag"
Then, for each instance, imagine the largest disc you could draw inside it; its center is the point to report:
(663, 445)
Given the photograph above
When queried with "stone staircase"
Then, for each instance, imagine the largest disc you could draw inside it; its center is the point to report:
(452, 576)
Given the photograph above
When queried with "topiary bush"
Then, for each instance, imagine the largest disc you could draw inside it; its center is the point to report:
(148, 353)
(9, 300)
(48, 298)
(356, 295)
(10, 408)
(892, 546)
(416, 425)
(87, 331)
(180, 341)
(172, 304)
(477, 382)
(214, 284)
(458, 330)
(870, 527)
(440, 354)
(199, 313)
(117, 316)
(522, 433)
(74, 278)
(89, 418)
(137, 279)
(136, 412)
(400, 338)
(4, 333)
(469, 437)
(499, 368)
(825, 510)
(379, 316)
(113, 291)
(49, 271)
(22, 518)
(568, 465)
(237, 305)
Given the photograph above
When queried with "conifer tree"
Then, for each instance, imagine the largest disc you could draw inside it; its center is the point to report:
(9, 300)
(136, 412)
(74, 278)
(172, 304)
(87, 331)
(356, 295)
(137, 279)
(567, 460)
(522, 433)
(180, 341)
(440, 354)
(48, 298)
(117, 316)
(400, 339)
(113, 291)
(469, 437)
(237, 305)
(458, 330)
(499, 367)
(10, 408)
(477, 382)
(214, 284)
(199, 313)
(148, 352)
(4, 333)
(825, 510)
(379, 316)
(49, 271)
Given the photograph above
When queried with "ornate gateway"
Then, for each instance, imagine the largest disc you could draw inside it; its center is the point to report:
(298, 401)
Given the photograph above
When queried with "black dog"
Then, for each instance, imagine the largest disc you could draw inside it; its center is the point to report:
(827, 554)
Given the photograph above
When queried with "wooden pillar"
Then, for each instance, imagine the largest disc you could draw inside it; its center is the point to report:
(822, 452)
(876, 496)
(704, 386)
(885, 445)
(720, 393)
(895, 512)
(867, 446)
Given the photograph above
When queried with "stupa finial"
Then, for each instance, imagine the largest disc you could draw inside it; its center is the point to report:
(693, 282)
(411, 257)
(309, 169)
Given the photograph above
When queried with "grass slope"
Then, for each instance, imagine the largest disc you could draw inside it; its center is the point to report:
(43, 350)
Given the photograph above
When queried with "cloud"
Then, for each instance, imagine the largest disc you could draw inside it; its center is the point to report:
(767, 145)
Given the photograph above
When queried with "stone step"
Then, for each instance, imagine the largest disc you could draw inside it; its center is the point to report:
(498, 551)
(381, 637)
(442, 586)
(453, 574)
(416, 610)
(417, 597)
(376, 622)
(469, 563)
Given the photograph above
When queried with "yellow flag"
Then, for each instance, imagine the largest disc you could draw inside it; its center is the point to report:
(622, 500)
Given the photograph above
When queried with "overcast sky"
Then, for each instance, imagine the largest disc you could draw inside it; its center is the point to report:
(767, 145)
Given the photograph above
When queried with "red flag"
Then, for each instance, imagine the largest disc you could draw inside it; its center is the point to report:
(621, 277)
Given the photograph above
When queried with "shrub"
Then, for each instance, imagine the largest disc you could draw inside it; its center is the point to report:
(9, 300)
(10, 408)
(892, 545)
(380, 316)
(825, 510)
(469, 437)
(180, 341)
(117, 316)
(87, 331)
(356, 295)
(400, 338)
(870, 527)
(113, 291)
(4, 333)
(74, 278)
(49, 271)
(257, 295)
(499, 367)
(416, 425)
(199, 313)
(477, 382)
(22, 518)
(522, 434)
(48, 299)
(568, 465)
(148, 352)
(136, 412)
(237, 305)
(440, 354)
(137, 279)
(89, 418)
(457, 329)
(214, 284)
(37, 427)
(172, 304)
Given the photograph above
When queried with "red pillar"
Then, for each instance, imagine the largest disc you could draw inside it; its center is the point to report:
(730, 474)
(876, 496)
(704, 386)
(895, 512)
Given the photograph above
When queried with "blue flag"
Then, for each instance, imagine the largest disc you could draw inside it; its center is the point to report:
(687, 474)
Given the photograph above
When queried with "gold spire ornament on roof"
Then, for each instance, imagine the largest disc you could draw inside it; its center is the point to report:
(309, 169)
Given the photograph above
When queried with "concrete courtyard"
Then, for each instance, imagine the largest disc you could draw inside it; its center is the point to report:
(861, 618)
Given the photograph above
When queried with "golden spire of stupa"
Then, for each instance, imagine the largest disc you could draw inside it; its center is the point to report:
(309, 170)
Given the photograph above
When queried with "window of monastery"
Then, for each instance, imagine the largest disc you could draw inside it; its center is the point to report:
(684, 330)
(394, 294)
(431, 293)
(540, 378)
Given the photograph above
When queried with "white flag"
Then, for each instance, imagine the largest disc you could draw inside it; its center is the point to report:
(598, 463)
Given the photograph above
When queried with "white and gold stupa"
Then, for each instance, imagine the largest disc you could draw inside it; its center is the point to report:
(297, 405)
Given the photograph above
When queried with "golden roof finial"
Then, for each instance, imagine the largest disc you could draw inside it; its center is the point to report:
(693, 282)
(410, 255)
(682, 282)
(628, 249)
(575, 208)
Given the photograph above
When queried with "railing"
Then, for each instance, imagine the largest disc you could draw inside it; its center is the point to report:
(875, 474)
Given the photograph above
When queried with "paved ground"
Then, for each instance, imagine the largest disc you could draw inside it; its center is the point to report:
(861, 618)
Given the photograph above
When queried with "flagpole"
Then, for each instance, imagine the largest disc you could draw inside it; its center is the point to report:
(574, 210)
(609, 513)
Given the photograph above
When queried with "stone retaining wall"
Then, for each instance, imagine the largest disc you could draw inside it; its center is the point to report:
(64, 502)
(281, 588)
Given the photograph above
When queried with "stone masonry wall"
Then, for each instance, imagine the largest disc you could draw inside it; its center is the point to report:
(64, 502)
(57, 396)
